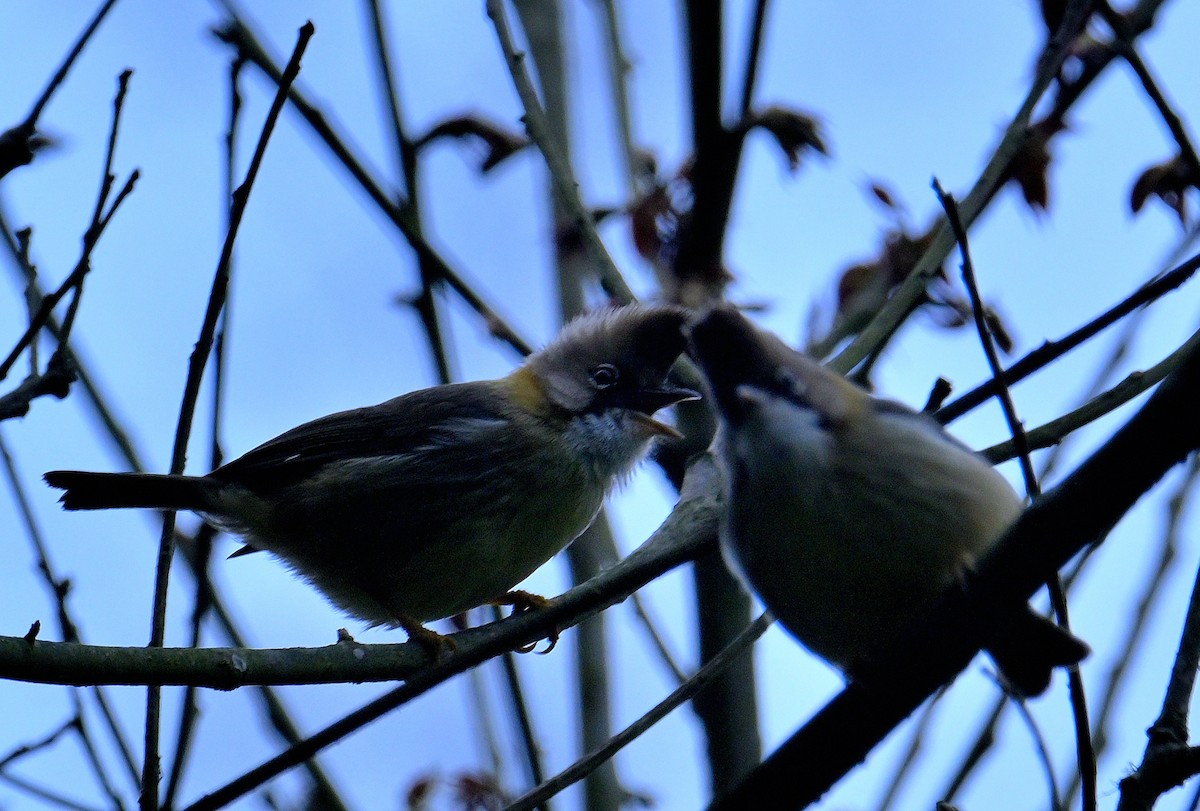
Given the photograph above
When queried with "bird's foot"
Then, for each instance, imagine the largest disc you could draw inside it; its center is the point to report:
(523, 601)
(437, 644)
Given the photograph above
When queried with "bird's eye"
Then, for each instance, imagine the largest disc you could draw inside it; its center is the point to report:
(604, 375)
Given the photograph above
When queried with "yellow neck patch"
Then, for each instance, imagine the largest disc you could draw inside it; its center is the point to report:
(528, 392)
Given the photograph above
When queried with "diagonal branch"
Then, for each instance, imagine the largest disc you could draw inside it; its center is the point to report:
(237, 34)
(561, 173)
(1080, 511)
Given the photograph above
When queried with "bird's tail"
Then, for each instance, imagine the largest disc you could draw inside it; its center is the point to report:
(1029, 647)
(101, 491)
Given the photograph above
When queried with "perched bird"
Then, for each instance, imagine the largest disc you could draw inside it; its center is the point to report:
(850, 515)
(443, 499)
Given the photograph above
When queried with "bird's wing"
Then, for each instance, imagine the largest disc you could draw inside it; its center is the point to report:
(392, 428)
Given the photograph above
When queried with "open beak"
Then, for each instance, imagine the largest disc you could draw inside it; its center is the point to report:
(647, 401)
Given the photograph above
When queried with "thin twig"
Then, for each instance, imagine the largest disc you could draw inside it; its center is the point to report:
(1134, 384)
(1043, 751)
(189, 712)
(1015, 428)
(657, 642)
(18, 142)
(74, 279)
(119, 437)
(561, 173)
(425, 303)
(68, 630)
(983, 744)
(92, 752)
(106, 182)
(1124, 45)
(685, 692)
(44, 794)
(1052, 350)
(47, 740)
(1168, 759)
(1135, 638)
(1083, 735)
(618, 76)
(529, 741)
(239, 35)
(199, 359)
(65, 67)
(753, 53)
(916, 742)
(900, 305)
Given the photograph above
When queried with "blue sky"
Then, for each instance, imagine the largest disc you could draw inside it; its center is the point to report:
(907, 92)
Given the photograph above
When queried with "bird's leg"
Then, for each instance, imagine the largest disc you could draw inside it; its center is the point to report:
(522, 601)
(432, 641)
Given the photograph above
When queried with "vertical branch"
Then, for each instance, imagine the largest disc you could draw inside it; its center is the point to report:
(728, 709)
(698, 265)
(752, 55)
(619, 68)
(550, 127)
(1168, 758)
(544, 135)
(1086, 756)
(425, 302)
(199, 359)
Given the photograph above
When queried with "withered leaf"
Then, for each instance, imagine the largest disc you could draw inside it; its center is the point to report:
(1029, 167)
(1168, 181)
(794, 131)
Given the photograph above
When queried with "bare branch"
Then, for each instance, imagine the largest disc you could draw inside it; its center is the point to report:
(557, 162)
(19, 144)
(237, 34)
(1052, 350)
(1078, 512)
(685, 692)
(166, 550)
(1137, 382)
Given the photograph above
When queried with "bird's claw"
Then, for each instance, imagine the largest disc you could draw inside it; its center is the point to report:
(523, 601)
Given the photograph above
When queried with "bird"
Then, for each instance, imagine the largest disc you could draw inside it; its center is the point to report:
(443, 499)
(848, 514)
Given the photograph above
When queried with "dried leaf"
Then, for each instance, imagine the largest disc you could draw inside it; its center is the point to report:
(649, 220)
(884, 195)
(479, 791)
(794, 131)
(19, 145)
(1029, 167)
(498, 142)
(418, 794)
(1168, 181)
